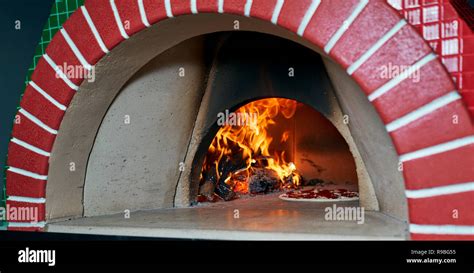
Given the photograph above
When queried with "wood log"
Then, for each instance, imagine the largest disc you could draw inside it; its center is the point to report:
(225, 191)
(208, 187)
(263, 181)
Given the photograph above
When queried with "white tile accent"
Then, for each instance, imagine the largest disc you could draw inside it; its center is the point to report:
(30, 147)
(47, 96)
(143, 16)
(27, 173)
(220, 6)
(248, 7)
(60, 73)
(118, 21)
(423, 111)
(193, 4)
(26, 199)
(442, 229)
(436, 149)
(26, 225)
(353, 67)
(277, 10)
(94, 30)
(37, 121)
(345, 25)
(307, 17)
(401, 77)
(443, 190)
(76, 51)
(169, 11)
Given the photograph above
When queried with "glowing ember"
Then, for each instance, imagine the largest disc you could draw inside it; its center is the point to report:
(238, 153)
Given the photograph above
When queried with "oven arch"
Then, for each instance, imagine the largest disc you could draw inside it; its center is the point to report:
(419, 115)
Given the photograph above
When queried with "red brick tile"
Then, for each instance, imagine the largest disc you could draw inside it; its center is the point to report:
(449, 167)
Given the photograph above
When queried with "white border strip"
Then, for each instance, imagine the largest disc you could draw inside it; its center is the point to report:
(423, 111)
(248, 7)
(437, 191)
(353, 67)
(444, 229)
(30, 147)
(27, 224)
(37, 121)
(143, 16)
(220, 6)
(94, 30)
(169, 11)
(345, 25)
(307, 17)
(401, 77)
(436, 149)
(74, 49)
(47, 96)
(26, 199)
(27, 173)
(118, 20)
(193, 5)
(60, 72)
(277, 10)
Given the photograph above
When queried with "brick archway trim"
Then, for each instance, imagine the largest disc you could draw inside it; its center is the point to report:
(424, 115)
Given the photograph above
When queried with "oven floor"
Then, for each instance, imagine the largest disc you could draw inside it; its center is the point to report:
(260, 218)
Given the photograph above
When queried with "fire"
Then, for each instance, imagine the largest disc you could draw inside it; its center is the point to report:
(248, 147)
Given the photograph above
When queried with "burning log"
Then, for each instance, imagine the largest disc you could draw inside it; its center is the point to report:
(225, 191)
(239, 159)
(228, 166)
(216, 183)
(263, 181)
(208, 187)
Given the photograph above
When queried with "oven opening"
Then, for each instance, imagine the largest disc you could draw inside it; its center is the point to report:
(281, 147)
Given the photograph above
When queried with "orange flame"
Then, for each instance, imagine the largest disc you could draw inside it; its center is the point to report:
(251, 142)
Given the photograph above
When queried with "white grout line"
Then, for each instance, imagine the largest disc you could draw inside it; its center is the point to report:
(30, 147)
(442, 229)
(141, 8)
(26, 224)
(307, 17)
(353, 67)
(94, 30)
(118, 20)
(60, 72)
(38, 122)
(401, 77)
(423, 111)
(345, 25)
(248, 8)
(436, 149)
(27, 173)
(74, 49)
(169, 11)
(277, 10)
(194, 9)
(220, 6)
(26, 199)
(47, 96)
(437, 191)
